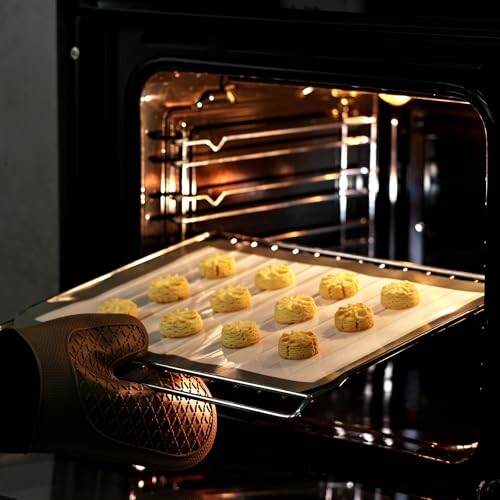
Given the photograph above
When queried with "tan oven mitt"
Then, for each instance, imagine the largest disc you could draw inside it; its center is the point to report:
(85, 410)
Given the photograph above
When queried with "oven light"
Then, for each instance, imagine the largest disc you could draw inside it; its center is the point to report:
(199, 104)
(147, 98)
(317, 254)
(139, 467)
(140, 484)
(395, 100)
(295, 251)
(419, 227)
(253, 244)
(307, 91)
(233, 241)
(274, 248)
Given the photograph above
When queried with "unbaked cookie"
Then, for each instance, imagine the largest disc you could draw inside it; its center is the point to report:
(274, 276)
(230, 298)
(217, 266)
(240, 334)
(339, 285)
(181, 323)
(119, 306)
(169, 288)
(298, 345)
(354, 317)
(399, 295)
(295, 309)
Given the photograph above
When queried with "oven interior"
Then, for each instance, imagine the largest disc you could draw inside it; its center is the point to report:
(357, 173)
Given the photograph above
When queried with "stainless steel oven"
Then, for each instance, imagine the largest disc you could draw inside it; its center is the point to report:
(333, 135)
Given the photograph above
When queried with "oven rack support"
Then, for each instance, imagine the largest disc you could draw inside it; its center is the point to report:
(193, 141)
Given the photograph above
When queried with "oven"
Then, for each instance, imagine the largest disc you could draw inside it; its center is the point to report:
(323, 135)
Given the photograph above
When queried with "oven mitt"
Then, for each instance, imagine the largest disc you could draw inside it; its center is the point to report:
(85, 410)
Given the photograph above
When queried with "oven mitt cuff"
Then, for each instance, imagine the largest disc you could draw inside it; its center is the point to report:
(86, 410)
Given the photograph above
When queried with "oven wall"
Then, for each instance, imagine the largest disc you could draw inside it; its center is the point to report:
(28, 154)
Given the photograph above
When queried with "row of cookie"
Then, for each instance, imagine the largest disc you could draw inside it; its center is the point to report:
(239, 334)
(277, 276)
(291, 345)
(332, 286)
(292, 308)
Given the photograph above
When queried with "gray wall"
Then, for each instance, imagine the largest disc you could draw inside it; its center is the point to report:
(28, 154)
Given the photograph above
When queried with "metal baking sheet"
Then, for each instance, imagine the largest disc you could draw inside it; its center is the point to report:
(444, 297)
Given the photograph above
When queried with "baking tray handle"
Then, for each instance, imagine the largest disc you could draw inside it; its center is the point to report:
(132, 377)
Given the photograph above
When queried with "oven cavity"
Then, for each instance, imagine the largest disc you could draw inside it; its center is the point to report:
(284, 162)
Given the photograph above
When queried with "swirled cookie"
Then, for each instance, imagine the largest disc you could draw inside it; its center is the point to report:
(119, 306)
(399, 295)
(295, 309)
(354, 317)
(339, 285)
(274, 276)
(180, 323)
(230, 298)
(240, 334)
(169, 288)
(217, 266)
(298, 345)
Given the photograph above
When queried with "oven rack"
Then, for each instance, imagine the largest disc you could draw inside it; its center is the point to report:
(199, 138)
(214, 197)
(189, 204)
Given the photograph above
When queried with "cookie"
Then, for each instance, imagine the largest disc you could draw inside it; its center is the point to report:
(399, 295)
(298, 345)
(119, 306)
(169, 288)
(230, 298)
(180, 323)
(274, 276)
(240, 334)
(354, 317)
(217, 266)
(339, 285)
(295, 309)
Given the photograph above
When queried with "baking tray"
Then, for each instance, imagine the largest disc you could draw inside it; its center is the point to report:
(446, 296)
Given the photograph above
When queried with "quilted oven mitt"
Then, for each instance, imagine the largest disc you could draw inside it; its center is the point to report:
(85, 410)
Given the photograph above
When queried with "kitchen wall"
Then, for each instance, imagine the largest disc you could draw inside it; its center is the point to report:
(28, 154)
